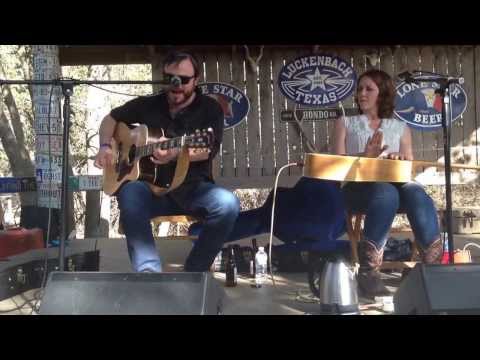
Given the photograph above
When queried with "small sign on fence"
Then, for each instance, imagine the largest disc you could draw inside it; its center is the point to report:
(49, 195)
(318, 114)
(19, 184)
(43, 144)
(421, 107)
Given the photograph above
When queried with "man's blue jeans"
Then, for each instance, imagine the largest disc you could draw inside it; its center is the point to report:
(216, 207)
(381, 201)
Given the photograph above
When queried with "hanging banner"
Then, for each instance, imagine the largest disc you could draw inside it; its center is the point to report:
(317, 80)
(234, 102)
(418, 105)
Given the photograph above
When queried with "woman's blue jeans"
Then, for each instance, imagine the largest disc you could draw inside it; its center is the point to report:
(215, 206)
(381, 201)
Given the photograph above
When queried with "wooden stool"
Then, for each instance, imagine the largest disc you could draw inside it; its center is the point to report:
(354, 231)
(176, 219)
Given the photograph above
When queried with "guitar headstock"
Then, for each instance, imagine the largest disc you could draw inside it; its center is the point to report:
(201, 139)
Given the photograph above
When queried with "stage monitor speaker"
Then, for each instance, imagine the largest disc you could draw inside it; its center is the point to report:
(100, 293)
(440, 289)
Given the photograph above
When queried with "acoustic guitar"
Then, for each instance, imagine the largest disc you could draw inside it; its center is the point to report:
(132, 149)
(356, 168)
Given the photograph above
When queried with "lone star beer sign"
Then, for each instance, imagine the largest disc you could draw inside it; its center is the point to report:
(234, 102)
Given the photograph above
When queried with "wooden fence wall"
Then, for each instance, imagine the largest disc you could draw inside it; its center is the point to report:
(255, 150)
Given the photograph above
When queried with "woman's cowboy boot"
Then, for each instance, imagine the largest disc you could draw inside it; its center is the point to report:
(434, 253)
(370, 283)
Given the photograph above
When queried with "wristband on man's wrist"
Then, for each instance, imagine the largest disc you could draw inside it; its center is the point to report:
(106, 145)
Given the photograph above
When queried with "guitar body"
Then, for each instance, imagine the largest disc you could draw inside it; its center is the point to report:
(126, 167)
(354, 168)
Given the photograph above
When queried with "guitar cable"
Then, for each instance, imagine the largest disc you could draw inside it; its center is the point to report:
(297, 293)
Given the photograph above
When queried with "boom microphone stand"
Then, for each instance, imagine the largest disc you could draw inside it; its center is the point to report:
(67, 90)
(444, 91)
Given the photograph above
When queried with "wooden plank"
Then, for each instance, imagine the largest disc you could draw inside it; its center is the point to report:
(224, 75)
(253, 126)
(386, 61)
(211, 75)
(281, 146)
(358, 55)
(453, 55)
(320, 128)
(240, 131)
(202, 61)
(359, 60)
(413, 63)
(266, 117)
(468, 117)
(306, 125)
(429, 138)
(476, 98)
(400, 63)
(329, 125)
(441, 67)
(346, 54)
(295, 149)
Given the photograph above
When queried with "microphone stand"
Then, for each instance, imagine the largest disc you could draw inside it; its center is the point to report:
(67, 90)
(444, 91)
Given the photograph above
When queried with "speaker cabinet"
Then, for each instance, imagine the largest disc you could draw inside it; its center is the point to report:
(100, 293)
(439, 289)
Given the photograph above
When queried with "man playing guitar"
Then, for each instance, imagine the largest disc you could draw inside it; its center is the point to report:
(180, 110)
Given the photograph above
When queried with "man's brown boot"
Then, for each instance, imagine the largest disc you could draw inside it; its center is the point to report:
(370, 283)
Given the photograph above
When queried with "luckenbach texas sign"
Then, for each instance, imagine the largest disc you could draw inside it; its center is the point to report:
(317, 80)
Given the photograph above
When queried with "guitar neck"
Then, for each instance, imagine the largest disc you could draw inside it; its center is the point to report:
(147, 150)
(418, 163)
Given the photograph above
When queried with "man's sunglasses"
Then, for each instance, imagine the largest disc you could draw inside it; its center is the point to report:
(177, 79)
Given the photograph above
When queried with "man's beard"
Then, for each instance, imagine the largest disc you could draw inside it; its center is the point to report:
(180, 98)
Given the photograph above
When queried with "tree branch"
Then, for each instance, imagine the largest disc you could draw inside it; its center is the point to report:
(20, 162)
(9, 101)
(251, 61)
(11, 105)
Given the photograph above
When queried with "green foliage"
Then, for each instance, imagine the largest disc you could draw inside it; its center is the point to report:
(81, 132)
(16, 64)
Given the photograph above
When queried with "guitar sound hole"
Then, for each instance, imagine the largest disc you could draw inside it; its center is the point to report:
(123, 170)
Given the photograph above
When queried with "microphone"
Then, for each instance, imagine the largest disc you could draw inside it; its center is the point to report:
(175, 81)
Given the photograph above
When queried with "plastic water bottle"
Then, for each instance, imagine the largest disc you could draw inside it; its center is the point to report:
(446, 254)
(261, 259)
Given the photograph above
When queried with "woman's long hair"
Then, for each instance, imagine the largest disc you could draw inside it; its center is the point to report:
(386, 94)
